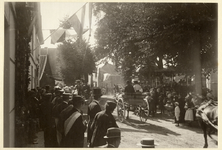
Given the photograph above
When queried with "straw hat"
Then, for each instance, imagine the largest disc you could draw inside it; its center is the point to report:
(147, 142)
(112, 133)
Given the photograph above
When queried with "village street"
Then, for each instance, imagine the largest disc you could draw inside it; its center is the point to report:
(161, 128)
(159, 55)
(163, 131)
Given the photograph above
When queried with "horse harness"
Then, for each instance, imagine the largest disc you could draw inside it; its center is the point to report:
(203, 115)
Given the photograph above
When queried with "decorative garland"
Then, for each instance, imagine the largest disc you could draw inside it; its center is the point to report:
(22, 63)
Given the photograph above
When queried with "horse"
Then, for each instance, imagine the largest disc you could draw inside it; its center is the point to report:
(207, 116)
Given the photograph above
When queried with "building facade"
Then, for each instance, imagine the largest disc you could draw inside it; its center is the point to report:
(13, 42)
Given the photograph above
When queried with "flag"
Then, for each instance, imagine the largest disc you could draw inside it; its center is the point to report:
(74, 21)
(62, 38)
(76, 24)
(82, 20)
(70, 34)
(57, 35)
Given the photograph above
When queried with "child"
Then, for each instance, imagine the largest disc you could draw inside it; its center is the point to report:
(177, 113)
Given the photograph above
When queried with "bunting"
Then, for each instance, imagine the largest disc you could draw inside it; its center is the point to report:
(74, 21)
(59, 35)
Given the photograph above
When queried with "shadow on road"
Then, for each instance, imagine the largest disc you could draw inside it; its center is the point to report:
(194, 129)
(131, 130)
(159, 116)
(158, 129)
(150, 128)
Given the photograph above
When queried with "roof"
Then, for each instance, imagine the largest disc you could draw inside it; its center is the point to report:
(109, 68)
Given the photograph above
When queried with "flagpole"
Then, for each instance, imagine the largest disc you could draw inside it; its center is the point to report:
(60, 26)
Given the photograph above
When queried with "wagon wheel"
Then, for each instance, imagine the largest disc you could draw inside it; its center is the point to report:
(137, 111)
(121, 111)
(144, 112)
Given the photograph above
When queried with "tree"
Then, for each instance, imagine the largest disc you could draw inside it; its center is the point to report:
(64, 23)
(177, 33)
(76, 59)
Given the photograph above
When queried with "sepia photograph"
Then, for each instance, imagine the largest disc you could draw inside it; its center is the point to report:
(110, 74)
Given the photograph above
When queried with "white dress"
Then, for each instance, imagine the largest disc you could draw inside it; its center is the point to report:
(177, 112)
(189, 115)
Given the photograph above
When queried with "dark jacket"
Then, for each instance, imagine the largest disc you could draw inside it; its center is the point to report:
(48, 121)
(57, 109)
(102, 121)
(68, 111)
(75, 136)
(129, 89)
(93, 109)
(46, 109)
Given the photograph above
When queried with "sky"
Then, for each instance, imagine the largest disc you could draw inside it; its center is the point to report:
(52, 12)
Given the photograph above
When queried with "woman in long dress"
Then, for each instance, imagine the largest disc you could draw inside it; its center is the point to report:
(189, 114)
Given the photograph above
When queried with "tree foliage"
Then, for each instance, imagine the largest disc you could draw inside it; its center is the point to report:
(142, 35)
(64, 23)
(76, 59)
(23, 20)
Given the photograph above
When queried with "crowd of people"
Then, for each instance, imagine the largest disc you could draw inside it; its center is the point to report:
(170, 100)
(58, 112)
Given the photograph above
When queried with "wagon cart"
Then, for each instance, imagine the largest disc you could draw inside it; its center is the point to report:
(136, 102)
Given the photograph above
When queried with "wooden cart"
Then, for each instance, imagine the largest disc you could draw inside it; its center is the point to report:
(136, 102)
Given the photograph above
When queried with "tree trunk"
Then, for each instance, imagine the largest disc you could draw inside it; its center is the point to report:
(86, 77)
(160, 66)
(160, 62)
(195, 48)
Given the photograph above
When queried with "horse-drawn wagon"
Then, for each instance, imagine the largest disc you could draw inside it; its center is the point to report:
(136, 102)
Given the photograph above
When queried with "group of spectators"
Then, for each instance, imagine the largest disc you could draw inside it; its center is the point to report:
(170, 100)
(59, 113)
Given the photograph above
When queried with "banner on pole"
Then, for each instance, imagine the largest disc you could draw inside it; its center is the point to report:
(74, 21)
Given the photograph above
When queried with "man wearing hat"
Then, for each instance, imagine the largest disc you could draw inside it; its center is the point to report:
(59, 106)
(58, 96)
(65, 102)
(85, 89)
(93, 109)
(147, 143)
(65, 113)
(129, 88)
(102, 121)
(78, 88)
(113, 138)
(72, 126)
(48, 121)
